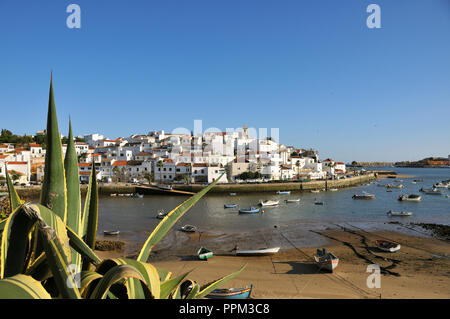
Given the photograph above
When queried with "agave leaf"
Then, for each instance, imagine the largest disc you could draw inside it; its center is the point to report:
(22, 287)
(14, 199)
(88, 281)
(80, 246)
(53, 194)
(206, 289)
(169, 286)
(164, 226)
(163, 274)
(119, 274)
(90, 215)
(2, 224)
(73, 192)
(39, 269)
(193, 292)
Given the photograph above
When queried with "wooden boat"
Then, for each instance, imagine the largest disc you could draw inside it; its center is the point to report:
(364, 195)
(392, 213)
(161, 214)
(326, 260)
(292, 200)
(387, 246)
(204, 253)
(269, 203)
(189, 228)
(252, 210)
(230, 205)
(231, 293)
(256, 252)
(410, 198)
(283, 192)
(111, 232)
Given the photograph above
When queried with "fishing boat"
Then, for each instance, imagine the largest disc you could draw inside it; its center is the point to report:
(392, 213)
(441, 185)
(364, 195)
(432, 191)
(256, 252)
(111, 232)
(410, 198)
(283, 192)
(189, 228)
(230, 205)
(292, 200)
(387, 246)
(394, 186)
(166, 187)
(204, 253)
(326, 260)
(231, 293)
(252, 210)
(315, 191)
(232, 194)
(161, 214)
(269, 202)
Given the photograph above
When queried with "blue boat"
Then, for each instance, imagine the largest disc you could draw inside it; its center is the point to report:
(230, 205)
(252, 210)
(231, 293)
(232, 194)
(283, 192)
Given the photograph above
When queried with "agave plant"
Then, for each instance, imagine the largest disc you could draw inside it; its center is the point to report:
(47, 249)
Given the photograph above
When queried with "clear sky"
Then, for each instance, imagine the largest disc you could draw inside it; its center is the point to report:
(313, 69)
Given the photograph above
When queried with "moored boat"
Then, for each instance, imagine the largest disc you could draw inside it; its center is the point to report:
(364, 195)
(111, 232)
(256, 252)
(137, 195)
(161, 214)
(189, 228)
(293, 200)
(269, 202)
(326, 260)
(394, 186)
(231, 293)
(333, 189)
(410, 198)
(387, 246)
(204, 253)
(432, 191)
(252, 210)
(283, 192)
(392, 213)
(232, 194)
(318, 202)
(315, 191)
(166, 187)
(230, 205)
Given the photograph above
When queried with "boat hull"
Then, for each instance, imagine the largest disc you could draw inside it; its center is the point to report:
(258, 252)
(241, 293)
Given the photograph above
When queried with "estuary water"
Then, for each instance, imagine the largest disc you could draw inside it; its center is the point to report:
(136, 217)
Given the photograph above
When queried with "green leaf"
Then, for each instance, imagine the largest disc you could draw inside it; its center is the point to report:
(206, 289)
(170, 286)
(90, 216)
(80, 246)
(14, 199)
(166, 224)
(53, 194)
(73, 192)
(22, 287)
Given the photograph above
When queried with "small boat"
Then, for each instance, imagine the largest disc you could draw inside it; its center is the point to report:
(252, 210)
(364, 195)
(189, 228)
(333, 189)
(204, 253)
(292, 200)
(113, 195)
(418, 180)
(392, 213)
(256, 252)
(111, 232)
(410, 198)
(387, 246)
(389, 190)
(441, 185)
(231, 293)
(318, 203)
(232, 194)
(161, 214)
(283, 192)
(137, 196)
(230, 205)
(431, 191)
(315, 191)
(326, 260)
(269, 202)
(394, 186)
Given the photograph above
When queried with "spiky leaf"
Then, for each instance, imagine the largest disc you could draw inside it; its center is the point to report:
(22, 287)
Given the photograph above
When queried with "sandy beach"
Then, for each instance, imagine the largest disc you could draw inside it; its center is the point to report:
(421, 269)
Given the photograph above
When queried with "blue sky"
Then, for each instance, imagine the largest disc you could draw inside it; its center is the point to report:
(310, 68)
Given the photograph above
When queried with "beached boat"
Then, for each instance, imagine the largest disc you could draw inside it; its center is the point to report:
(315, 191)
(111, 232)
(283, 192)
(432, 191)
(166, 187)
(204, 253)
(256, 252)
(410, 198)
(364, 195)
(230, 205)
(252, 210)
(392, 213)
(269, 202)
(189, 228)
(387, 246)
(230, 293)
(292, 200)
(326, 260)
(161, 214)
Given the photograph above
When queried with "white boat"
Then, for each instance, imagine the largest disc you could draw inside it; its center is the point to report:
(333, 189)
(432, 191)
(161, 214)
(111, 232)
(392, 213)
(283, 192)
(364, 195)
(315, 191)
(269, 202)
(326, 260)
(441, 185)
(394, 186)
(410, 198)
(256, 252)
(387, 246)
(166, 187)
(189, 228)
(293, 200)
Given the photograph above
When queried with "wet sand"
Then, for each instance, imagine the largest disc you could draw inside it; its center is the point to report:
(421, 269)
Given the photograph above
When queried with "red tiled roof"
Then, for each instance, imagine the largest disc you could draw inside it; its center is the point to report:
(34, 145)
(3, 156)
(10, 172)
(181, 164)
(119, 163)
(84, 164)
(200, 165)
(168, 160)
(16, 163)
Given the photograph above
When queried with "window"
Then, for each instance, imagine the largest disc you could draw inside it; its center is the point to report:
(164, 169)
(178, 170)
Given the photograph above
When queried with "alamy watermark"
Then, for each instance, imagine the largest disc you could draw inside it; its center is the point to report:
(374, 279)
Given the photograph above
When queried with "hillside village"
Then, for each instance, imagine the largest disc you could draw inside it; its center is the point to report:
(177, 158)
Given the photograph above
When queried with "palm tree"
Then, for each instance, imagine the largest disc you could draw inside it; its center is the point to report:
(298, 169)
(160, 165)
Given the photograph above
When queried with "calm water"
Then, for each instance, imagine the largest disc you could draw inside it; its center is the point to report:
(136, 217)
